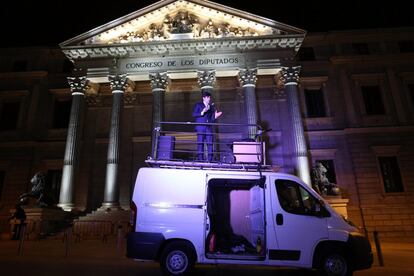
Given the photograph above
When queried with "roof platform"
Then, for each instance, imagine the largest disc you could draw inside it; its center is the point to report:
(233, 148)
(181, 164)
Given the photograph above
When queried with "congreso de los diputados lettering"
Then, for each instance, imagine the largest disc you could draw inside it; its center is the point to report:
(87, 113)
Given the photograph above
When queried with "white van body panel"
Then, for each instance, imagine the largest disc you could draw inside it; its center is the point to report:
(338, 228)
(298, 232)
(171, 202)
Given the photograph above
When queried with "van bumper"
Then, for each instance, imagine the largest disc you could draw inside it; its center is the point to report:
(360, 251)
(144, 245)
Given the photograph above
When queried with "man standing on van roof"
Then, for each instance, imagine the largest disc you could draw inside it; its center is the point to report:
(205, 112)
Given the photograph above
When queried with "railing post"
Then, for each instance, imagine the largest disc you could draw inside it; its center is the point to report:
(118, 238)
(68, 236)
(155, 137)
(22, 233)
(378, 248)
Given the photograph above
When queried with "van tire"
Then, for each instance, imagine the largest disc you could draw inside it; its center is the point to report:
(335, 264)
(177, 258)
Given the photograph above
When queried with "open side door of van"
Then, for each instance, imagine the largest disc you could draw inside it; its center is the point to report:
(235, 211)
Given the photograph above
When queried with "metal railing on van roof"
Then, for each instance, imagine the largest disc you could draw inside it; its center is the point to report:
(231, 145)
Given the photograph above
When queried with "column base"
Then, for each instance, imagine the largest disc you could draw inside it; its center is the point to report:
(110, 206)
(68, 207)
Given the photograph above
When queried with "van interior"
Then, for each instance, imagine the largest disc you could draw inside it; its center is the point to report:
(236, 210)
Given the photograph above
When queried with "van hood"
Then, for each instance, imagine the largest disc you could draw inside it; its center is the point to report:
(338, 227)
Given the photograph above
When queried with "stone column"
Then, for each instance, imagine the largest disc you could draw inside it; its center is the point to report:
(111, 195)
(247, 79)
(159, 82)
(300, 151)
(78, 86)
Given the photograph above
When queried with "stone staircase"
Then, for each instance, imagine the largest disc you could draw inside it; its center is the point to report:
(107, 214)
(102, 223)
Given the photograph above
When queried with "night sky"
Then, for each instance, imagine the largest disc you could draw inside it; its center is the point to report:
(30, 23)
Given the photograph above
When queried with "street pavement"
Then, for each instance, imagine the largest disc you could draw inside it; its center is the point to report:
(94, 257)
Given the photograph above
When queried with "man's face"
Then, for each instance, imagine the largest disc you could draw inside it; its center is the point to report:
(207, 99)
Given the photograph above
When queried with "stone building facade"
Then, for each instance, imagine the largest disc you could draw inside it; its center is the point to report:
(344, 98)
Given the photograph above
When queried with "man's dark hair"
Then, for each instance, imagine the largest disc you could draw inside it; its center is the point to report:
(205, 94)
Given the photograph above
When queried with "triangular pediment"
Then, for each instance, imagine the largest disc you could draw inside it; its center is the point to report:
(182, 20)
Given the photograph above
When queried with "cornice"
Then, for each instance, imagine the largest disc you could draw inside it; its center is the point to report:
(362, 130)
(315, 79)
(157, 48)
(373, 59)
(24, 75)
(13, 93)
(369, 76)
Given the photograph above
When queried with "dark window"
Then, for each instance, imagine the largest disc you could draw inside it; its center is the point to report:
(406, 46)
(411, 91)
(315, 103)
(360, 48)
(295, 199)
(329, 165)
(391, 174)
(61, 114)
(2, 174)
(53, 180)
(20, 65)
(9, 115)
(373, 100)
(306, 53)
(67, 66)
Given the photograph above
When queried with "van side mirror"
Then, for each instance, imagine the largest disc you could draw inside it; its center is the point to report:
(320, 210)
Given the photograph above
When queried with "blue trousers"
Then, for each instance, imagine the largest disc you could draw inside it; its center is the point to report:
(204, 137)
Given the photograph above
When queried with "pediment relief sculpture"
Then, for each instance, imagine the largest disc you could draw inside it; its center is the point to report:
(183, 25)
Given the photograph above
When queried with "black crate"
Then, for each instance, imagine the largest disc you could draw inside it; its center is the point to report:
(165, 147)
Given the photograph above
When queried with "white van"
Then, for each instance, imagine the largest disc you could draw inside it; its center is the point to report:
(206, 216)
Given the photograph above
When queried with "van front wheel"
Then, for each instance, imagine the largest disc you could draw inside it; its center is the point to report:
(335, 264)
(177, 258)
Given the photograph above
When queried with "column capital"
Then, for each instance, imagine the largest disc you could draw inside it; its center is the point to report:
(159, 81)
(78, 85)
(206, 79)
(290, 75)
(118, 83)
(247, 77)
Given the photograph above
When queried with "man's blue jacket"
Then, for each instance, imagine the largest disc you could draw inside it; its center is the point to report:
(208, 117)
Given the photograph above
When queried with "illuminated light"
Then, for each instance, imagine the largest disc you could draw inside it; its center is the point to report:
(303, 169)
(160, 205)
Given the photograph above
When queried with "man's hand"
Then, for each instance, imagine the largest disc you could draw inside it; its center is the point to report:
(205, 109)
(218, 114)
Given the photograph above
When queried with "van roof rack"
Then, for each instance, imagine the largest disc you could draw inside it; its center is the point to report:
(181, 164)
(232, 147)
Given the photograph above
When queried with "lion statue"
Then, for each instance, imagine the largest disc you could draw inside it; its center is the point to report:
(321, 182)
(37, 192)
